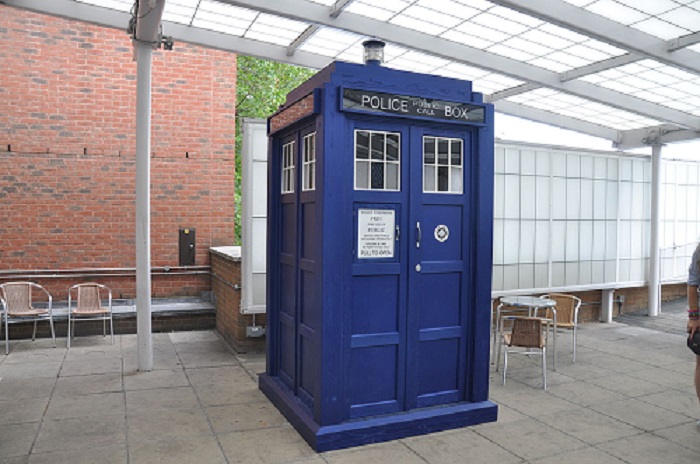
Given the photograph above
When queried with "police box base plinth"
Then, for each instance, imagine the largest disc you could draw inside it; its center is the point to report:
(374, 429)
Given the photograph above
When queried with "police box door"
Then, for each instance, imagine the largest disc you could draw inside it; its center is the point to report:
(438, 267)
(410, 271)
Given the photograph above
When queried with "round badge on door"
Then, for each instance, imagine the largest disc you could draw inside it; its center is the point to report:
(442, 233)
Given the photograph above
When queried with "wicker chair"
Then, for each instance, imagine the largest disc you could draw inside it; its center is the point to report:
(567, 314)
(529, 333)
(89, 307)
(17, 307)
(496, 321)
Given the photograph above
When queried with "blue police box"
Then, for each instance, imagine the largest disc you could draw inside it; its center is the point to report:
(380, 212)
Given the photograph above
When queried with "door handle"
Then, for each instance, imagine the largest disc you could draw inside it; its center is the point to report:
(419, 234)
(398, 233)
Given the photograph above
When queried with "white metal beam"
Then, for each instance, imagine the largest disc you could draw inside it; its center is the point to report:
(599, 66)
(558, 120)
(606, 30)
(338, 7)
(303, 37)
(666, 133)
(307, 11)
(683, 41)
(517, 90)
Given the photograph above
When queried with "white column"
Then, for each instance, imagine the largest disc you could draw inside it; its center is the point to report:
(144, 54)
(606, 306)
(654, 246)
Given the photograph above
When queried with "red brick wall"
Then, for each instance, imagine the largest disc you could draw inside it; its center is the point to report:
(67, 143)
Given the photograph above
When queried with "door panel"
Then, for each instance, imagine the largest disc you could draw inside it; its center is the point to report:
(437, 269)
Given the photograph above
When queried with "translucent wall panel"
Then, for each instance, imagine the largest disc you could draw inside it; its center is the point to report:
(680, 217)
(568, 218)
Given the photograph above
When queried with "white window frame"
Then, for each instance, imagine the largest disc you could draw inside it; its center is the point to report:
(308, 172)
(385, 162)
(449, 165)
(288, 167)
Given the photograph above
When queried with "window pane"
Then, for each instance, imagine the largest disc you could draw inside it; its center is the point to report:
(362, 175)
(443, 179)
(428, 150)
(392, 147)
(392, 176)
(456, 153)
(377, 146)
(456, 175)
(428, 178)
(443, 152)
(377, 176)
(362, 145)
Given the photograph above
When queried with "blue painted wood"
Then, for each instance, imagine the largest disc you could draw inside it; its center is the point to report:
(365, 350)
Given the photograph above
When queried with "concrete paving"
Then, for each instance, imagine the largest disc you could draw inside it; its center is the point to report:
(628, 399)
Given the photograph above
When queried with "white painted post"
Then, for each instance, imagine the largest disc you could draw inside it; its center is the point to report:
(606, 306)
(144, 54)
(655, 239)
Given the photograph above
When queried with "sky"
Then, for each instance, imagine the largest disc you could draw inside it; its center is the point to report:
(521, 130)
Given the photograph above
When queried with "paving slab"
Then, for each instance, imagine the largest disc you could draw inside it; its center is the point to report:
(628, 399)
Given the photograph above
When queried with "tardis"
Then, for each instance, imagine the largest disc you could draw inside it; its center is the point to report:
(379, 256)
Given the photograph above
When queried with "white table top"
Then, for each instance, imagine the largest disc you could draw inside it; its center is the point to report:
(528, 301)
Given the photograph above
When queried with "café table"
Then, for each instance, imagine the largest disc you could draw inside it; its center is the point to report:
(532, 304)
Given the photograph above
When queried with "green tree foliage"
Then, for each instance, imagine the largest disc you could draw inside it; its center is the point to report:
(261, 88)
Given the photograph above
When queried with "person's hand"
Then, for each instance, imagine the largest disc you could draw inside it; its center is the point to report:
(693, 326)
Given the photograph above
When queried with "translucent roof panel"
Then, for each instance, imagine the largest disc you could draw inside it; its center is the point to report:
(665, 19)
(119, 5)
(579, 108)
(334, 43)
(224, 18)
(486, 26)
(474, 39)
(655, 82)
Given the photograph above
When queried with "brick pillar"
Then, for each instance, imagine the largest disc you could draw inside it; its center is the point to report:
(226, 289)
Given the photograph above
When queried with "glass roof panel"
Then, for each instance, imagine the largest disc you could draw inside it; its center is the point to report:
(120, 5)
(500, 24)
(660, 28)
(688, 18)
(371, 11)
(333, 42)
(450, 7)
(417, 24)
(652, 81)
(650, 7)
(465, 39)
(617, 12)
(516, 16)
(575, 107)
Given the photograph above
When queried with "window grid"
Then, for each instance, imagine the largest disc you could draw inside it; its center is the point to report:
(377, 160)
(443, 159)
(288, 167)
(309, 163)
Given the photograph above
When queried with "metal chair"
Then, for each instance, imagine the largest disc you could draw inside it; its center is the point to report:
(567, 313)
(89, 307)
(17, 307)
(529, 333)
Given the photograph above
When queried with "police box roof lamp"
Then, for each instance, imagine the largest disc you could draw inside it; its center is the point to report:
(374, 52)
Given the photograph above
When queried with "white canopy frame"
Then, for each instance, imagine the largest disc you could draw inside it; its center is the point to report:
(624, 71)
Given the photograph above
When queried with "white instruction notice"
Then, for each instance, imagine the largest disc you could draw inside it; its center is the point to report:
(376, 229)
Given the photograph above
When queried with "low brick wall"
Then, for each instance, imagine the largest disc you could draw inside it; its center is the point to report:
(226, 290)
(123, 324)
(636, 299)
